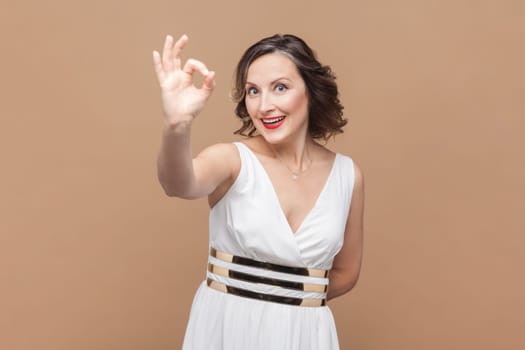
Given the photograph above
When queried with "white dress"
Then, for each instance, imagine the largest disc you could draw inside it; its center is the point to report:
(249, 222)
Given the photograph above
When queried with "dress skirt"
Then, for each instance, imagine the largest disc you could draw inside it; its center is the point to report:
(221, 321)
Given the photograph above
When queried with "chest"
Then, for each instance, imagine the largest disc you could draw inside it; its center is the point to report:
(268, 216)
(298, 195)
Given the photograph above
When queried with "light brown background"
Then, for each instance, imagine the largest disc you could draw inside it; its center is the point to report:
(94, 256)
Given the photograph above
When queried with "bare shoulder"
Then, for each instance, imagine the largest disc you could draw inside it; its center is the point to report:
(323, 155)
(218, 163)
(220, 150)
(226, 160)
(220, 155)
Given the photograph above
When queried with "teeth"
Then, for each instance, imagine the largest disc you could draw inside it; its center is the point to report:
(272, 120)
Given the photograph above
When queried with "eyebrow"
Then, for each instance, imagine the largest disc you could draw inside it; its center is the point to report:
(272, 82)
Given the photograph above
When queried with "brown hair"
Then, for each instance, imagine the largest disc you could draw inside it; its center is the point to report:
(325, 112)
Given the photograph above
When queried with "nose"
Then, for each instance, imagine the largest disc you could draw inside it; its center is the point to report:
(266, 104)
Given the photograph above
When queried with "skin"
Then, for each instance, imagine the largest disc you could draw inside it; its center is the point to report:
(274, 89)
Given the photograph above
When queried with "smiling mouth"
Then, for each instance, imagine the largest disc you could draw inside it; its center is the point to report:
(272, 120)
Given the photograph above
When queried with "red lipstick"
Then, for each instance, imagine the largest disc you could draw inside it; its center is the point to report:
(273, 122)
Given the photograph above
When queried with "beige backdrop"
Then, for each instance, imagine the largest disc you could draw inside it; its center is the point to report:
(94, 256)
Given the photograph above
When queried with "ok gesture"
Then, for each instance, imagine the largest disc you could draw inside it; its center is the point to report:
(181, 99)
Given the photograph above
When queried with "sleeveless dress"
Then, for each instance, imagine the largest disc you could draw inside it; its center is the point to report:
(248, 222)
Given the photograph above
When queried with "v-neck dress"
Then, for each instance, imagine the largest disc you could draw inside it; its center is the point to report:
(248, 221)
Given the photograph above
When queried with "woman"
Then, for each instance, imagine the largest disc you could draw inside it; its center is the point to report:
(286, 213)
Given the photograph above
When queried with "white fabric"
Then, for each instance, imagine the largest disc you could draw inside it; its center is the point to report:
(248, 221)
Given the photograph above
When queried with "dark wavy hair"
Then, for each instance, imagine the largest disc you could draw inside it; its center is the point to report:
(325, 112)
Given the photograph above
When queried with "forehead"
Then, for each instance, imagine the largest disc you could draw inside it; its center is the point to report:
(270, 67)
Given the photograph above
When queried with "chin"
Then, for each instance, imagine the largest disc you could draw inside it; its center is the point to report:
(273, 137)
(279, 138)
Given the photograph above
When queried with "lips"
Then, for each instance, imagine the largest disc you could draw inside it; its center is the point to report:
(273, 122)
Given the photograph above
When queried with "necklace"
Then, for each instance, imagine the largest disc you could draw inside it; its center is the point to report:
(295, 174)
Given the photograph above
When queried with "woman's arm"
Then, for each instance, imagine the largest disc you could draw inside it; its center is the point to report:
(346, 266)
(178, 173)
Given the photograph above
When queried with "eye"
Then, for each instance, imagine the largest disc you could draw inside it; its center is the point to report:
(281, 87)
(251, 91)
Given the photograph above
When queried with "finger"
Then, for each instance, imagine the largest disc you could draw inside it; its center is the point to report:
(193, 65)
(171, 52)
(167, 60)
(209, 81)
(157, 64)
(177, 49)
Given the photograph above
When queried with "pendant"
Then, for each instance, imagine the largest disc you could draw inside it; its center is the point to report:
(294, 177)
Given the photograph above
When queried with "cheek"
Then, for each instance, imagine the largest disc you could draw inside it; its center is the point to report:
(250, 107)
(297, 102)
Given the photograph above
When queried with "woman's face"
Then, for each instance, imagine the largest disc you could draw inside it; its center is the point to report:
(276, 98)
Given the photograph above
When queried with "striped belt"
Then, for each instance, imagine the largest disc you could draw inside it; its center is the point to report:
(266, 281)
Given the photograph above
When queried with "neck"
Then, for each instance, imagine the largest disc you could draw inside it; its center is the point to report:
(296, 156)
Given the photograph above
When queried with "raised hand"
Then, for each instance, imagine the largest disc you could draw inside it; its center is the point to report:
(181, 99)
